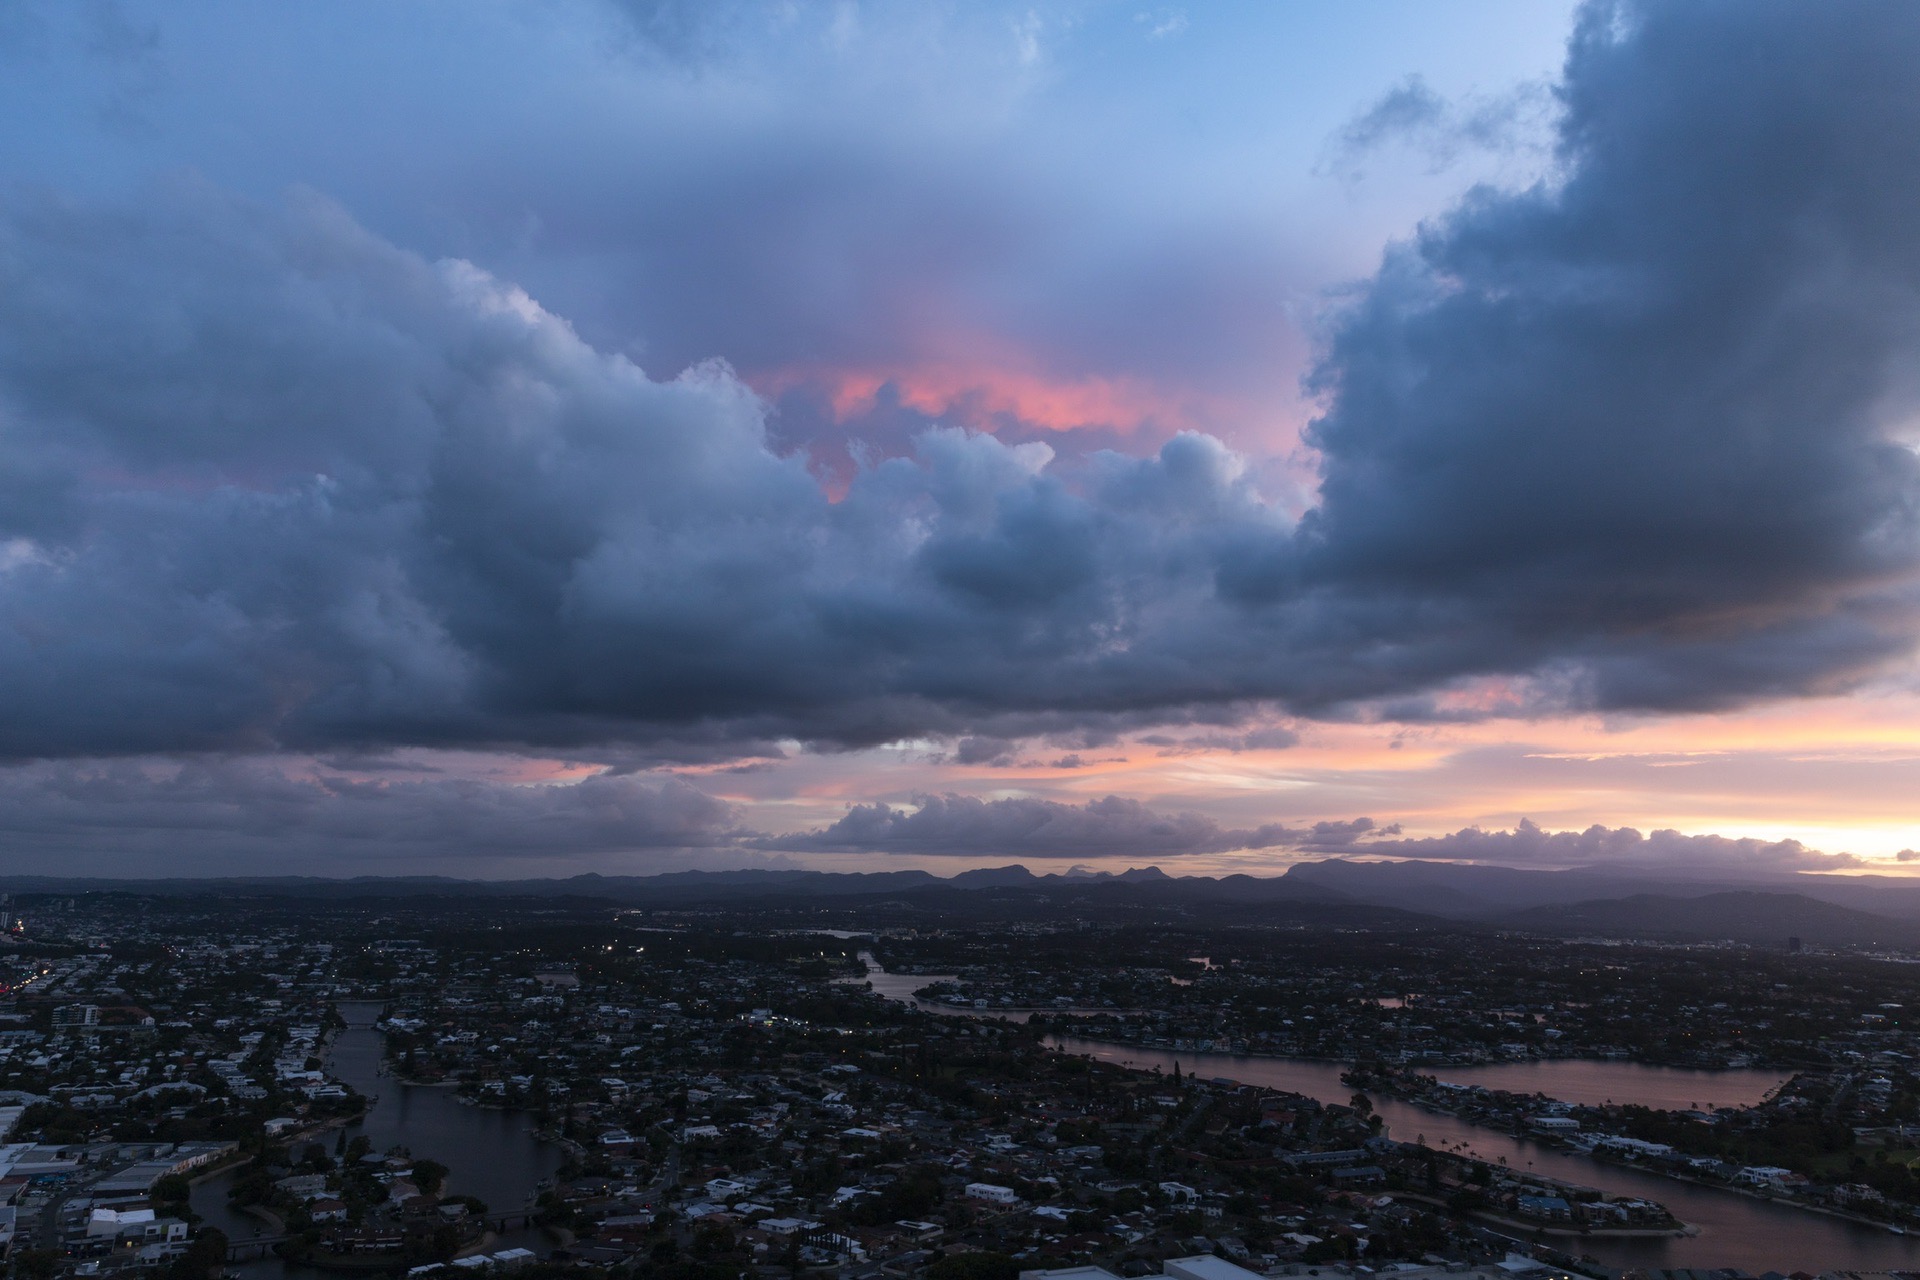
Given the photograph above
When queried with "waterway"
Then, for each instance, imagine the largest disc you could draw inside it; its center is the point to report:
(1586, 1082)
(901, 986)
(491, 1154)
(1731, 1229)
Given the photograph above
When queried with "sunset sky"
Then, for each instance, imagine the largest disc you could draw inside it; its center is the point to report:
(517, 439)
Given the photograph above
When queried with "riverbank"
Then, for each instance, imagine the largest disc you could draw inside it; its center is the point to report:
(1825, 1211)
(1428, 1103)
(275, 1224)
(239, 1160)
(1572, 1233)
(1733, 1230)
(1477, 1066)
(491, 1155)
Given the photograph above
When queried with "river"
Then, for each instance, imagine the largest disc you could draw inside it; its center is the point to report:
(901, 986)
(491, 1154)
(1588, 1082)
(1733, 1230)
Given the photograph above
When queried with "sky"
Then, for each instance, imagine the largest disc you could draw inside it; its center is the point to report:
(518, 439)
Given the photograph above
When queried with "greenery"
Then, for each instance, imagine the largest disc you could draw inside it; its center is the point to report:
(206, 1255)
(974, 1266)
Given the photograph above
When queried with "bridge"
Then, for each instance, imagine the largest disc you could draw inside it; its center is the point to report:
(253, 1247)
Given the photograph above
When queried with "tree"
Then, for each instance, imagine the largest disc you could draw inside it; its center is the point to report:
(974, 1266)
(429, 1176)
(712, 1238)
(254, 1185)
(172, 1189)
(1467, 1200)
(204, 1259)
(1329, 1250)
(35, 1264)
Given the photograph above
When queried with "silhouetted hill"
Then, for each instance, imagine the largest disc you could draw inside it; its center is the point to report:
(1412, 894)
(1745, 915)
(1139, 885)
(1464, 891)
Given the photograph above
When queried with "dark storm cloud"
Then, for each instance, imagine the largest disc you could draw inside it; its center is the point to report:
(1638, 421)
(220, 815)
(1270, 738)
(987, 751)
(1023, 827)
(291, 486)
(271, 481)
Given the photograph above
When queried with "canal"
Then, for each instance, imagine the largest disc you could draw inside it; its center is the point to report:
(491, 1154)
(1733, 1230)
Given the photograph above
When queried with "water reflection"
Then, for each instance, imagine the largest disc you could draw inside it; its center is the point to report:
(491, 1154)
(1733, 1230)
(1590, 1083)
(901, 986)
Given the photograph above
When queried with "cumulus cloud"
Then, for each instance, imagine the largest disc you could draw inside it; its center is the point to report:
(1627, 440)
(1663, 852)
(1027, 827)
(241, 816)
(1635, 428)
(290, 485)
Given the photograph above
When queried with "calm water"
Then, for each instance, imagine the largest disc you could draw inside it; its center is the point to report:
(1734, 1230)
(492, 1154)
(1592, 1083)
(901, 986)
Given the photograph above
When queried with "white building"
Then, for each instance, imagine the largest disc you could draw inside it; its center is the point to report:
(134, 1224)
(992, 1194)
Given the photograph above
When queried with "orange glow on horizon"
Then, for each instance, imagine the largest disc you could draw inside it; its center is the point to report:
(973, 392)
(1835, 773)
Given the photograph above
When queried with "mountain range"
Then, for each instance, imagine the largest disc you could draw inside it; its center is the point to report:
(1856, 910)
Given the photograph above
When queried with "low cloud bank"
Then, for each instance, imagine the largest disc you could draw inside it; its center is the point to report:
(967, 826)
(282, 815)
(1663, 852)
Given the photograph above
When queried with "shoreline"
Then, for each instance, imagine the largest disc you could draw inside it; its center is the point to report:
(1431, 1107)
(1349, 1062)
(1791, 1202)
(1682, 1230)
